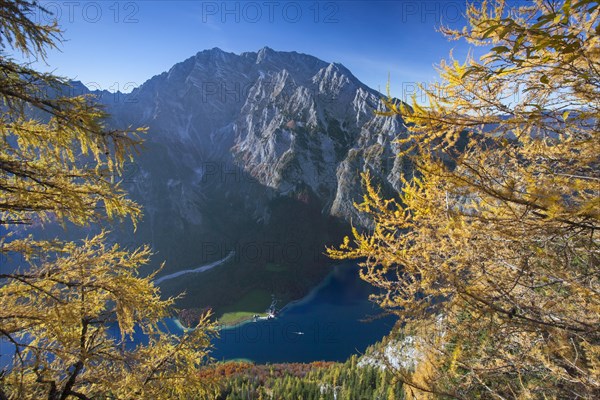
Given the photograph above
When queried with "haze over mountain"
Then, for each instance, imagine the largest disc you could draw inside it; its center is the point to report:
(262, 147)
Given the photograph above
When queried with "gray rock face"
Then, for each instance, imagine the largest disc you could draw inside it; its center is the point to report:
(230, 133)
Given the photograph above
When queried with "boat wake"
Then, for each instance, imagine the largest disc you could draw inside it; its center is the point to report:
(202, 268)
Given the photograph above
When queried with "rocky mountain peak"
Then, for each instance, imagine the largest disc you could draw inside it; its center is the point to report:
(264, 54)
(288, 122)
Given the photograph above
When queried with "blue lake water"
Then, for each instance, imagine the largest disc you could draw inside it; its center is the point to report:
(331, 318)
(335, 319)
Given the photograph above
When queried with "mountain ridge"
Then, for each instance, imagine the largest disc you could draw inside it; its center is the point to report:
(257, 147)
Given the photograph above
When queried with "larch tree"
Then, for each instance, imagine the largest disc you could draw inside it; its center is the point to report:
(68, 310)
(491, 254)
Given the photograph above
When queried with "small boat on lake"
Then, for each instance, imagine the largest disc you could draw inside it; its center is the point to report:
(272, 310)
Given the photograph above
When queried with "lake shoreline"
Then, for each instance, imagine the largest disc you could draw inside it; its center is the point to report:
(290, 304)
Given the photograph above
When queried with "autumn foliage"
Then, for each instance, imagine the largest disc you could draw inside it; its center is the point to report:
(491, 254)
(68, 310)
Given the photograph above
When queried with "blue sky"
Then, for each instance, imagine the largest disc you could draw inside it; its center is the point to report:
(120, 44)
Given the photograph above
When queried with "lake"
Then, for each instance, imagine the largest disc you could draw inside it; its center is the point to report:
(329, 324)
